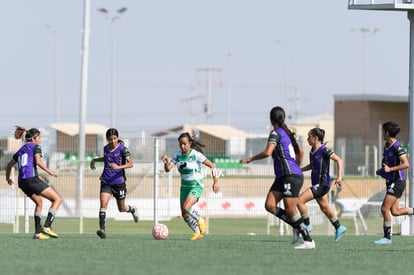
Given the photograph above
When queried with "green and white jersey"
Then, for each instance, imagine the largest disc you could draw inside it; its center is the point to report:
(189, 167)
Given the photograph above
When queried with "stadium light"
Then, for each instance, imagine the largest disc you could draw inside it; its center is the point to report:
(113, 17)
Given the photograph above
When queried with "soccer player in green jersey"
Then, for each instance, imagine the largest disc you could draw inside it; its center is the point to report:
(188, 161)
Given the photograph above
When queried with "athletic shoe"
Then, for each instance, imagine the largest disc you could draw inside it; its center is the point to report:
(134, 212)
(101, 233)
(296, 235)
(341, 230)
(202, 226)
(40, 236)
(306, 245)
(196, 236)
(309, 227)
(50, 232)
(383, 241)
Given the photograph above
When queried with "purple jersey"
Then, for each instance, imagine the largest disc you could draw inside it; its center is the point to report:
(284, 157)
(25, 158)
(391, 157)
(320, 162)
(118, 156)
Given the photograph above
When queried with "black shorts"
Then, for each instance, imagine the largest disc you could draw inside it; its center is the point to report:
(289, 186)
(117, 190)
(395, 188)
(32, 186)
(319, 191)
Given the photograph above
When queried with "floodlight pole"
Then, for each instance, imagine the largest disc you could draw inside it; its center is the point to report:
(82, 109)
(411, 117)
(113, 18)
(408, 6)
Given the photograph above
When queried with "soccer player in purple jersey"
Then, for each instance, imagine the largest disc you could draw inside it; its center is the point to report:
(287, 156)
(394, 163)
(28, 158)
(319, 158)
(116, 159)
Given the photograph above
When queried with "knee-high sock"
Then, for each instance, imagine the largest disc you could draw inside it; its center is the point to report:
(102, 218)
(192, 224)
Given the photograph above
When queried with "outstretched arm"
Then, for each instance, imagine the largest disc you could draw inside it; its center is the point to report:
(264, 154)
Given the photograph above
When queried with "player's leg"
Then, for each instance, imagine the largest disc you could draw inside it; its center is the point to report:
(397, 211)
(274, 196)
(387, 203)
(304, 197)
(119, 192)
(331, 215)
(38, 217)
(50, 194)
(104, 197)
(186, 203)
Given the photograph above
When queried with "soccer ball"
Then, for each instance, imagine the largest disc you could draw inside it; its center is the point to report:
(160, 231)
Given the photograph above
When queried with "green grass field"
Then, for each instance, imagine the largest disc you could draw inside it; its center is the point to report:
(136, 252)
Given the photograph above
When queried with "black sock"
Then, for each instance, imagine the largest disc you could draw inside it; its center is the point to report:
(387, 232)
(38, 226)
(336, 224)
(301, 227)
(102, 218)
(49, 219)
(281, 214)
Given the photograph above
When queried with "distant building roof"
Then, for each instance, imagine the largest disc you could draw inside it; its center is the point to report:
(371, 97)
(72, 129)
(224, 132)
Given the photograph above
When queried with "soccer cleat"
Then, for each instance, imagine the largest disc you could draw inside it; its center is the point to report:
(309, 227)
(40, 236)
(383, 241)
(202, 226)
(101, 233)
(341, 230)
(306, 245)
(135, 214)
(296, 235)
(50, 232)
(196, 236)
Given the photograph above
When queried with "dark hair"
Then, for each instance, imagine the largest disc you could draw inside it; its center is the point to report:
(30, 134)
(319, 133)
(194, 143)
(392, 128)
(277, 116)
(111, 132)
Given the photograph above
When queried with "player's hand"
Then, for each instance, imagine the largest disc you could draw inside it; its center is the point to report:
(92, 164)
(10, 181)
(53, 173)
(339, 181)
(386, 168)
(216, 187)
(245, 160)
(165, 159)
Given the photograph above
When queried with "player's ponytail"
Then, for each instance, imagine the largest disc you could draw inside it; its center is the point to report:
(18, 132)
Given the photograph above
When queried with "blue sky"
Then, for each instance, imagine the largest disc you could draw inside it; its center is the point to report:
(160, 44)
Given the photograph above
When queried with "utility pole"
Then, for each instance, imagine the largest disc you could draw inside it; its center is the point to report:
(209, 82)
(365, 33)
(191, 100)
